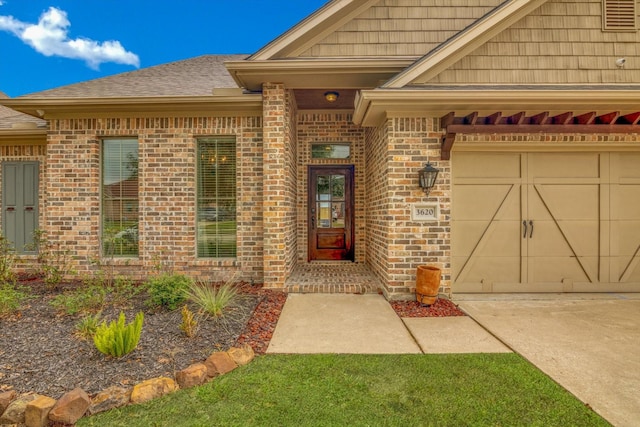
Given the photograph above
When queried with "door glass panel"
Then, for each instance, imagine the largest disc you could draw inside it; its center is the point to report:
(324, 214)
(337, 187)
(323, 187)
(330, 201)
(337, 213)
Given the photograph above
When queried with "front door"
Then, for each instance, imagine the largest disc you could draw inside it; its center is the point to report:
(330, 215)
(20, 204)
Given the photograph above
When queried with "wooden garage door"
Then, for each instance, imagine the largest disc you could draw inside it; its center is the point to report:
(545, 222)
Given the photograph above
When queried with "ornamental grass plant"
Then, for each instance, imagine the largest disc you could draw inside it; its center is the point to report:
(212, 300)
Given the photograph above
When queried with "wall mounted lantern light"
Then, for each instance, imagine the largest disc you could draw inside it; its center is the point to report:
(331, 96)
(427, 178)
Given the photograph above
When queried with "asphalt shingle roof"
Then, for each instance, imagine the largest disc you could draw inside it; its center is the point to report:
(191, 77)
(10, 119)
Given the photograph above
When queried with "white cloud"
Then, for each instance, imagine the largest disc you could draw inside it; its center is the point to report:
(50, 37)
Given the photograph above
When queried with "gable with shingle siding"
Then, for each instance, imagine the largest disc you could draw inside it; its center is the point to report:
(401, 28)
(562, 42)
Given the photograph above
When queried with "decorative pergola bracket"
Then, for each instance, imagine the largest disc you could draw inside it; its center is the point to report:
(542, 122)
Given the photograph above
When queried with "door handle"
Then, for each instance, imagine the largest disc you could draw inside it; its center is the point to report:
(531, 232)
(11, 209)
(28, 208)
(524, 235)
(313, 219)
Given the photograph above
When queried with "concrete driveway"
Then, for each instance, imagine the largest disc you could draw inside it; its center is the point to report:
(588, 343)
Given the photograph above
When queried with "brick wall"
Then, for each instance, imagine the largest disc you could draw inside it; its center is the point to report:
(330, 128)
(397, 245)
(377, 201)
(291, 193)
(167, 192)
(276, 196)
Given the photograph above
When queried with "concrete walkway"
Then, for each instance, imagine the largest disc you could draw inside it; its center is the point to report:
(344, 323)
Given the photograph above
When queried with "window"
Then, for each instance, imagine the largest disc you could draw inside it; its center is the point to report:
(330, 151)
(216, 204)
(619, 15)
(120, 197)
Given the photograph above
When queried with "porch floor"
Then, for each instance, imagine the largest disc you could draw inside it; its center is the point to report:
(333, 278)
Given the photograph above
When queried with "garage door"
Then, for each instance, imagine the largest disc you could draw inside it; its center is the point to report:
(546, 222)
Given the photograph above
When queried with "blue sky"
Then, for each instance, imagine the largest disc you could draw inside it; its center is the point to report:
(51, 43)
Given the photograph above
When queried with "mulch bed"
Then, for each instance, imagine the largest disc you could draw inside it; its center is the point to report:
(441, 308)
(39, 352)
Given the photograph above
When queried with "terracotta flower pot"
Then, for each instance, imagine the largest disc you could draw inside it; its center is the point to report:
(427, 284)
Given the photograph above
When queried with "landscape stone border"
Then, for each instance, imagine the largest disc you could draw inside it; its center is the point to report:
(34, 410)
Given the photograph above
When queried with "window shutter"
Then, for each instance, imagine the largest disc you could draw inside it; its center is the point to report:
(619, 15)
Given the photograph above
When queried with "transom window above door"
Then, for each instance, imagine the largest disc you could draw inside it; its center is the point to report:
(330, 151)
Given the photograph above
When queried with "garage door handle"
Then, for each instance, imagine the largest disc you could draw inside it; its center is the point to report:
(531, 232)
(524, 236)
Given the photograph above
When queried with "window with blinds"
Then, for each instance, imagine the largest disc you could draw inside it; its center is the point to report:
(216, 204)
(120, 197)
(619, 15)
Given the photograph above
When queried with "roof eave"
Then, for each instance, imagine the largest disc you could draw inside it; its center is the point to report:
(54, 107)
(37, 135)
(317, 73)
(373, 106)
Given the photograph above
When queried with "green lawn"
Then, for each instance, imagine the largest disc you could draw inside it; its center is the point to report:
(361, 390)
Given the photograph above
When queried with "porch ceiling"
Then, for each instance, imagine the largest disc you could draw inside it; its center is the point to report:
(314, 99)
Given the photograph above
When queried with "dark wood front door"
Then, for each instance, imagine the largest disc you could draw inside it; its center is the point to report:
(330, 215)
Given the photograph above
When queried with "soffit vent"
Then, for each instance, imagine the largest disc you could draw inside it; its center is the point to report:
(619, 15)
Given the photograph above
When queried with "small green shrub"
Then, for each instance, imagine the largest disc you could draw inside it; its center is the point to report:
(87, 326)
(117, 338)
(84, 299)
(168, 290)
(212, 300)
(123, 290)
(54, 263)
(11, 298)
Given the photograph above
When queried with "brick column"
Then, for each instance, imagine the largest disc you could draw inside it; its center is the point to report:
(274, 184)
